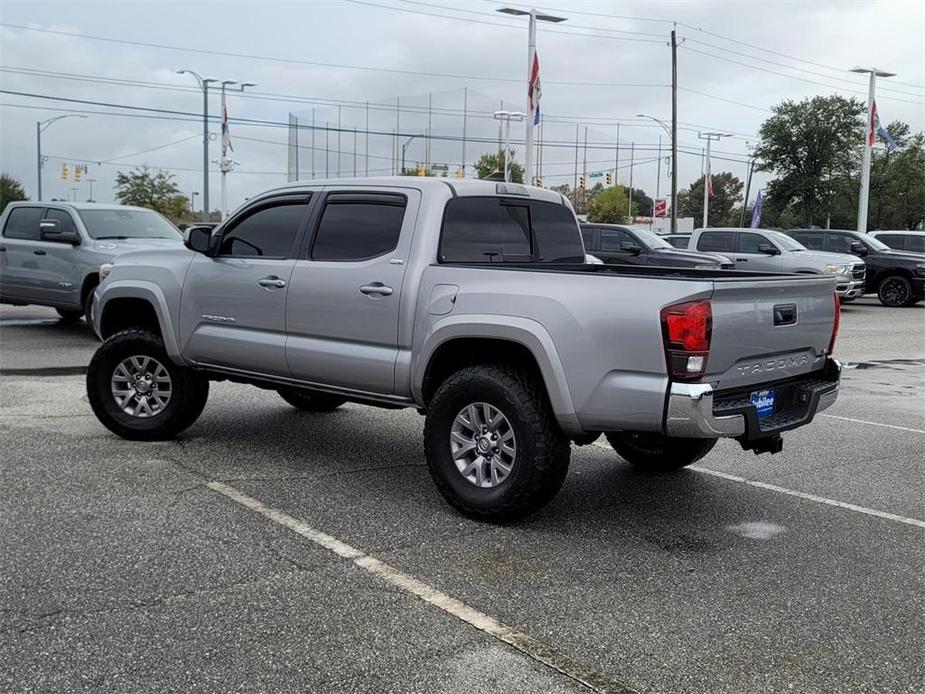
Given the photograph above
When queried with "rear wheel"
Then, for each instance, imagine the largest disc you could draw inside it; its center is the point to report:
(138, 392)
(69, 316)
(310, 402)
(896, 291)
(493, 446)
(657, 453)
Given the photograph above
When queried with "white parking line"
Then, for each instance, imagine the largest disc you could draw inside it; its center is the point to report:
(800, 495)
(875, 424)
(590, 678)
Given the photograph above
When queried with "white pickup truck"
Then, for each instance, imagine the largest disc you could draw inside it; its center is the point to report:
(471, 302)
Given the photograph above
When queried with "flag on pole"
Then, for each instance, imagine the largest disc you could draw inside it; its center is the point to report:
(756, 212)
(226, 131)
(709, 185)
(871, 119)
(877, 128)
(533, 91)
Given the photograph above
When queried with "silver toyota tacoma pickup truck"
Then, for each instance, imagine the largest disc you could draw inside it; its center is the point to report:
(471, 302)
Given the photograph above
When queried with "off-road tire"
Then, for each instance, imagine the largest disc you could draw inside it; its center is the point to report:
(542, 457)
(657, 453)
(310, 402)
(69, 316)
(189, 390)
(896, 291)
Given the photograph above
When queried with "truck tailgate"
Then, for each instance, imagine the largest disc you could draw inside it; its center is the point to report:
(769, 329)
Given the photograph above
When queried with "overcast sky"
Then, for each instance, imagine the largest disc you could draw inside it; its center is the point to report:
(597, 71)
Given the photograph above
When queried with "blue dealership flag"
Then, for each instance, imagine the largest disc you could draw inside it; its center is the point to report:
(756, 211)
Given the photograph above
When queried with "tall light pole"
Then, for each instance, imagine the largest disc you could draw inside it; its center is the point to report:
(225, 164)
(531, 52)
(40, 127)
(404, 148)
(869, 134)
(507, 117)
(674, 168)
(707, 177)
(203, 83)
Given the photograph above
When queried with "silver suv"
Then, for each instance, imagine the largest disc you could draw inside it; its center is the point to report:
(51, 253)
(773, 251)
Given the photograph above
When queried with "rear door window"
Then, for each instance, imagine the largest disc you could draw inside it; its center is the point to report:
(23, 223)
(716, 241)
(359, 226)
(587, 235)
(613, 239)
(813, 241)
(915, 242)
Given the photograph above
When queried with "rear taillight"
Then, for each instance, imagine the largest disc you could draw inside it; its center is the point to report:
(687, 329)
(836, 324)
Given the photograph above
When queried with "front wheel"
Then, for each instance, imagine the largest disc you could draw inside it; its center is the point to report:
(657, 453)
(896, 291)
(493, 446)
(138, 392)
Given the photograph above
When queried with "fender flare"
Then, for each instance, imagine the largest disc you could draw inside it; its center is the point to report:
(522, 331)
(146, 291)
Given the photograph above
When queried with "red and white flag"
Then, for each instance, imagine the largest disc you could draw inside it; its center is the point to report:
(872, 122)
(533, 91)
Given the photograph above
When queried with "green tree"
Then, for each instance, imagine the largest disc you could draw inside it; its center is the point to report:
(609, 206)
(489, 164)
(727, 191)
(580, 198)
(810, 146)
(11, 190)
(143, 187)
(897, 182)
(642, 203)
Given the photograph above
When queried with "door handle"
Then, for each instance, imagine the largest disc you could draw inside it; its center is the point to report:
(2, 249)
(39, 252)
(741, 260)
(272, 282)
(376, 288)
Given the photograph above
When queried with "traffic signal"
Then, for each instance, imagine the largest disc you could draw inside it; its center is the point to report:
(459, 172)
(65, 174)
(610, 178)
(77, 171)
(583, 181)
(538, 181)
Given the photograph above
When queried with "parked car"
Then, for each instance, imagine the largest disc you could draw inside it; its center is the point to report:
(913, 241)
(896, 277)
(51, 253)
(616, 244)
(469, 301)
(677, 240)
(773, 251)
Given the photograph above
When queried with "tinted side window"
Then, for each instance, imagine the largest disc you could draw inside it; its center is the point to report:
(555, 232)
(358, 227)
(915, 242)
(840, 243)
(893, 240)
(611, 239)
(67, 222)
(587, 235)
(23, 223)
(267, 232)
(815, 242)
(481, 230)
(748, 243)
(720, 241)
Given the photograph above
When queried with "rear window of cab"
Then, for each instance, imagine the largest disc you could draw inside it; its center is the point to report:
(495, 229)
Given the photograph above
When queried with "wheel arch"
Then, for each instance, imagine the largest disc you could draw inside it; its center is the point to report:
(122, 306)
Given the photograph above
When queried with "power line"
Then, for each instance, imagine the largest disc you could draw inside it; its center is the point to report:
(728, 101)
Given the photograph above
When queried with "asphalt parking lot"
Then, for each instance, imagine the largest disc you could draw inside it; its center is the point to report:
(270, 550)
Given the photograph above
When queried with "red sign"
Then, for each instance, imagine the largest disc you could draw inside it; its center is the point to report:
(661, 207)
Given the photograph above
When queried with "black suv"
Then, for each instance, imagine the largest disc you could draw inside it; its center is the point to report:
(618, 245)
(897, 277)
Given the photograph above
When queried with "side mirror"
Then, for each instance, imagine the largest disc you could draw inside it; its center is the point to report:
(197, 239)
(858, 248)
(767, 249)
(50, 230)
(631, 247)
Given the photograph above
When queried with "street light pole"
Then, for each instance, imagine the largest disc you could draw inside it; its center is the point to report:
(869, 135)
(507, 117)
(674, 167)
(225, 165)
(204, 86)
(531, 54)
(40, 127)
(404, 148)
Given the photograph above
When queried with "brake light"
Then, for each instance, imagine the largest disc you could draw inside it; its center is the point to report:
(687, 329)
(836, 324)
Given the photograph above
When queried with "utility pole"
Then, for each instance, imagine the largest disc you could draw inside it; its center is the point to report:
(313, 143)
(530, 118)
(465, 122)
(748, 189)
(327, 149)
(366, 143)
(674, 132)
(338, 141)
(658, 180)
(584, 160)
(225, 165)
(40, 127)
(616, 157)
(629, 197)
(575, 184)
(506, 117)
(354, 151)
(869, 136)
(707, 177)
(204, 86)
